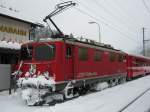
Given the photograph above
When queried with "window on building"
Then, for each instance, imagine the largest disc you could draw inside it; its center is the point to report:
(83, 54)
(97, 55)
(112, 57)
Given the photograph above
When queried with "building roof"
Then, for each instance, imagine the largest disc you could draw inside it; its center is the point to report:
(21, 20)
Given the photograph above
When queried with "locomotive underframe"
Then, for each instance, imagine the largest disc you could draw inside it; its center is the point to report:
(89, 81)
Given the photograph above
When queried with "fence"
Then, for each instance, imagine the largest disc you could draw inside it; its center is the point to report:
(5, 72)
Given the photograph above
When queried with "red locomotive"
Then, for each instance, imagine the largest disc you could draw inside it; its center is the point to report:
(71, 65)
(65, 67)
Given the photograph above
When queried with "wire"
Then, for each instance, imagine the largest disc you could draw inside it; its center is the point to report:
(114, 16)
(109, 26)
(122, 12)
(145, 5)
(102, 21)
(105, 22)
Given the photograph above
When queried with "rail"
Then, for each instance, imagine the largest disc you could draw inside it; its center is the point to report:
(139, 96)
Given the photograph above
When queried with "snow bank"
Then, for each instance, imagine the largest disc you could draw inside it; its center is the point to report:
(109, 100)
(10, 45)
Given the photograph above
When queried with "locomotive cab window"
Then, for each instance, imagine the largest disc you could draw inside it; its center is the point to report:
(83, 54)
(26, 52)
(44, 52)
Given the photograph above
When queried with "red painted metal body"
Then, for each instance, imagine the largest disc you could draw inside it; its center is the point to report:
(66, 64)
(65, 67)
(137, 66)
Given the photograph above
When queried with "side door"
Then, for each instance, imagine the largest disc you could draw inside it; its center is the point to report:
(69, 65)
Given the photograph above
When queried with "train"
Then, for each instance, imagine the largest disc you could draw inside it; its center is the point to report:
(63, 67)
(70, 67)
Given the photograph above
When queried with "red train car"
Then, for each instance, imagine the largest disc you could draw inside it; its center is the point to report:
(137, 66)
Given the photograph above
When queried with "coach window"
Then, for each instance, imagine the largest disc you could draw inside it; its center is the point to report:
(97, 55)
(112, 57)
(83, 54)
(68, 52)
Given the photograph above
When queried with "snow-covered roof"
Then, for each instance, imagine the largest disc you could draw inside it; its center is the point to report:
(10, 45)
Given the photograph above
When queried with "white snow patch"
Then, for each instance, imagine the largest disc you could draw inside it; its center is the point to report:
(36, 81)
(26, 93)
(101, 86)
(109, 100)
(10, 45)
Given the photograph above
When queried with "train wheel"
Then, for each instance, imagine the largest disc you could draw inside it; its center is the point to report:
(83, 90)
(70, 93)
(113, 82)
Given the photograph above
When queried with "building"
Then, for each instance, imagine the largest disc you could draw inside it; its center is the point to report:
(13, 31)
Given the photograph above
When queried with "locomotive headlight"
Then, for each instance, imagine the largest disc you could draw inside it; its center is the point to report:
(32, 69)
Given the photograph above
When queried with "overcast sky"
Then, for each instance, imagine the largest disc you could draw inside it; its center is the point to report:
(121, 21)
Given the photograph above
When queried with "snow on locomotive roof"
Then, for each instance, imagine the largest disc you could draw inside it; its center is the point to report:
(93, 44)
(74, 41)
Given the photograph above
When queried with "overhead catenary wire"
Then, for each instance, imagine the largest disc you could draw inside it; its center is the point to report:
(124, 35)
(146, 6)
(106, 22)
(109, 26)
(118, 18)
(122, 13)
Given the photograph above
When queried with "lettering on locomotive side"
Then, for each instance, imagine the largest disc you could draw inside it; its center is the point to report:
(86, 74)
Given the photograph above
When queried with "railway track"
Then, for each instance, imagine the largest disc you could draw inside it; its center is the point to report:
(130, 103)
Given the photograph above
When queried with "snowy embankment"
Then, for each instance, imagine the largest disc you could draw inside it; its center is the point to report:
(109, 100)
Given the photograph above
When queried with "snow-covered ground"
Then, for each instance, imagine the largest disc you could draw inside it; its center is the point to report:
(109, 100)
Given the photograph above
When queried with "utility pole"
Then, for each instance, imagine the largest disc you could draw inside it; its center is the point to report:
(144, 52)
(143, 41)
